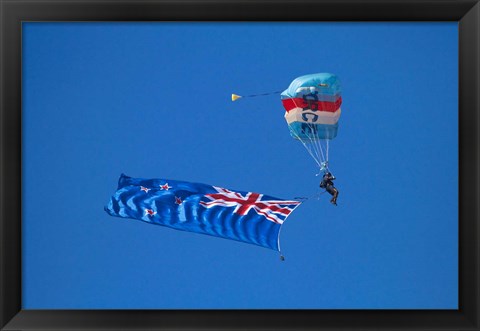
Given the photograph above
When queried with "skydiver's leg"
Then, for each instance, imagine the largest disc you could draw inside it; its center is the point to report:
(335, 195)
(330, 189)
(334, 192)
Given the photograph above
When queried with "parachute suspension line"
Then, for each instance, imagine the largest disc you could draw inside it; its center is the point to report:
(321, 150)
(318, 145)
(318, 151)
(313, 144)
(306, 147)
(328, 144)
(324, 163)
(309, 150)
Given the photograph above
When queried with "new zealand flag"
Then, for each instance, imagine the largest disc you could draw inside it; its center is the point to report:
(243, 216)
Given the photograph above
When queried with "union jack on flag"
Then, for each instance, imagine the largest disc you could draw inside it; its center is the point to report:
(273, 210)
(242, 216)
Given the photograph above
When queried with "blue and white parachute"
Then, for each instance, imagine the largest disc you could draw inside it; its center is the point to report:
(312, 103)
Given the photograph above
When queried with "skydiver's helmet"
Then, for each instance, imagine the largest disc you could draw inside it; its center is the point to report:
(328, 174)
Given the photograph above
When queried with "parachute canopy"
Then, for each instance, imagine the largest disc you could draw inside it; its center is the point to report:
(312, 103)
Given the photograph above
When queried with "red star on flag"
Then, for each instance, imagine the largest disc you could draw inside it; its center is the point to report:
(150, 212)
(178, 201)
(165, 187)
(145, 189)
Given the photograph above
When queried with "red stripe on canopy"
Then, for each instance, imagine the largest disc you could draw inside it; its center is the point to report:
(292, 103)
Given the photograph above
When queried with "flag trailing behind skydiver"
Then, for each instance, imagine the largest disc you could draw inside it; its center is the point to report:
(242, 216)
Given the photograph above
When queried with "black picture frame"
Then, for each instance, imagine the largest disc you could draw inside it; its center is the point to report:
(14, 12)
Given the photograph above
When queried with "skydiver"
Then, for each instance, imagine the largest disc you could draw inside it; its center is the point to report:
(327, 183)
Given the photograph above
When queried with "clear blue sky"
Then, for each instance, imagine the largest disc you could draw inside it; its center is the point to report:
(152, 100)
